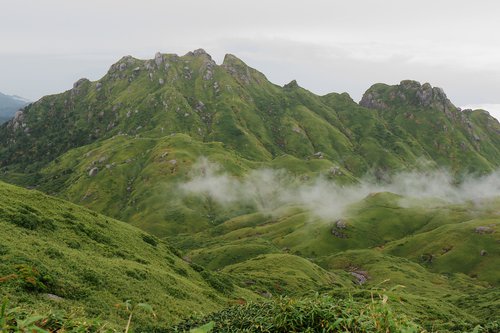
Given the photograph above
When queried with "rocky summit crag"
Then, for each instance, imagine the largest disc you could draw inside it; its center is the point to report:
(237, 192)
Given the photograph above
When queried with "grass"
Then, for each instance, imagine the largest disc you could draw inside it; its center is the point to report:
(59, 256)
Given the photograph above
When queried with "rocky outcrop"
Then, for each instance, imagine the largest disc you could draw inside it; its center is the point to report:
(408, 92)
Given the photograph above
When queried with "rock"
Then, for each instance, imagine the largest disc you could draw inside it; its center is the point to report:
(158, 59)
(371, 100)
(292, 84)
(424, 95)
(334, 171)
(361, 276)
(102, 159)
(122, 67)
(266, 294)
(173, 162)
(318, 154)
(161, 81)
(93, 171)
(341, 224)
(53, 297)
(199, 52)
(208, 75)
(483, 253)
(338, 233)
(200, 106)
(78, 83)
(484, 230)
(98, 86)
(165, 154)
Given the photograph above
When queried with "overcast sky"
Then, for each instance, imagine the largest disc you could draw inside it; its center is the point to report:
(326, 45)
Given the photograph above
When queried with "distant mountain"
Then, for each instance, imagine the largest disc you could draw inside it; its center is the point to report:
(9, 105)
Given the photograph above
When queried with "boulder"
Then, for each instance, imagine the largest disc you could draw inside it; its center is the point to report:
(93, 172)
(361, 276)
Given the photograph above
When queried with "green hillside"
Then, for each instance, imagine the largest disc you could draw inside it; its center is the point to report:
(58, 256)
(246, 205)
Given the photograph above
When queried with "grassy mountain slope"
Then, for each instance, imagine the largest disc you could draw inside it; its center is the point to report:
(55, 255)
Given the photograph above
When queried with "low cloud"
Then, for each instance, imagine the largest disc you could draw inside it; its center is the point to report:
(268, 190)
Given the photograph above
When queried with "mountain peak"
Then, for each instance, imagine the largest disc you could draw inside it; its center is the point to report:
(292, 84)
(407, 92)
(241, 71)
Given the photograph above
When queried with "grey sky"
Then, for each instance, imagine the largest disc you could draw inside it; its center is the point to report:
(327, 45)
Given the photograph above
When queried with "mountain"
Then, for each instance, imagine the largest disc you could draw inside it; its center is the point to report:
(9, 105)
(253, 191)
(235, 104)
(119, 144)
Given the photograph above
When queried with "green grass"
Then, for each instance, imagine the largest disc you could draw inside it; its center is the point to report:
(92, 262)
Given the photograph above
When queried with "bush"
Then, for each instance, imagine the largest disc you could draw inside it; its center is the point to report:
(316, 314)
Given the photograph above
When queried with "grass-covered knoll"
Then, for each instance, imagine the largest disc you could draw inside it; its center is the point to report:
(59, 256)
(284, 274)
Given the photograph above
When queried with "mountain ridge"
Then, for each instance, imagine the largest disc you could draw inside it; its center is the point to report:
(216, 87)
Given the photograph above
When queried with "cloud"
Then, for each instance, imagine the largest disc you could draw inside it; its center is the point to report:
(268, 190)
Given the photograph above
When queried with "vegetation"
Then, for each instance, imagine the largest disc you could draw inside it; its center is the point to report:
(125, 145)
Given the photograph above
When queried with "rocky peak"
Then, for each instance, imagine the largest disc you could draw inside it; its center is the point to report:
(291, 85)
(122, 64)
(237, 68)
(408, 92)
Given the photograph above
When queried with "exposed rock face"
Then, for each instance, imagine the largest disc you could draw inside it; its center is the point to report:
(158, 59)
(424, 94)
(409, 92)
(17, 121)
(371, 100)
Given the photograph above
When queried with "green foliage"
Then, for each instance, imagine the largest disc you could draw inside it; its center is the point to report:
(316, 314)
